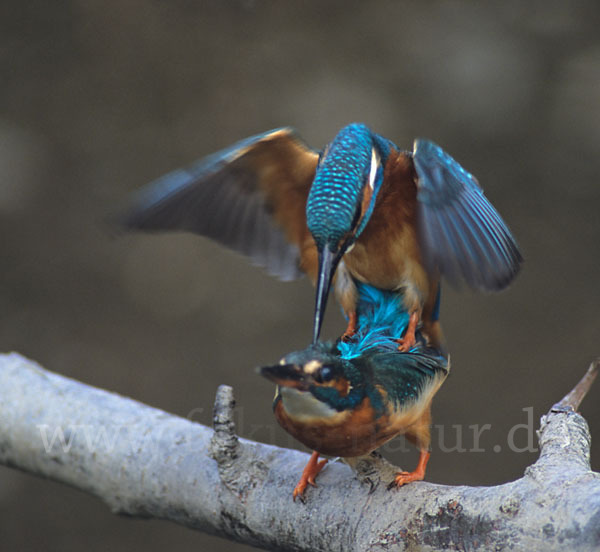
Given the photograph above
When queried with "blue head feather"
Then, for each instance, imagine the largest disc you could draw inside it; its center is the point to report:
(333, 205)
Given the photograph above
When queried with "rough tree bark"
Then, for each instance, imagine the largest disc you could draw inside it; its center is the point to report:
(144, 462)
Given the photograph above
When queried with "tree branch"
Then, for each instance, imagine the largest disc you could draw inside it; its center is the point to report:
(144, 462)
(573, 399)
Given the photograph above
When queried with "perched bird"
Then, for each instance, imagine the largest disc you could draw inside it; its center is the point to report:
(349, 398)
(360, 210)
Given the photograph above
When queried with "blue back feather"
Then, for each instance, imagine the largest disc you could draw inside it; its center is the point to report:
(382, 319)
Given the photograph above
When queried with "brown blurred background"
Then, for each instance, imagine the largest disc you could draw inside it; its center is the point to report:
(98, 98)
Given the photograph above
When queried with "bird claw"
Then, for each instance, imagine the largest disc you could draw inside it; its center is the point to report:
(299, 492)
(350, 331)
(409, 340)
(404, 477)
(311, 470)
(347, 336)
(406, 343)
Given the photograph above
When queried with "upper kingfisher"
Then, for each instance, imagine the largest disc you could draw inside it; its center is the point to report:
(349, 398)
(359, 210)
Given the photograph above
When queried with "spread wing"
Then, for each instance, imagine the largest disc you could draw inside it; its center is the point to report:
(250, 197)
(461, 233)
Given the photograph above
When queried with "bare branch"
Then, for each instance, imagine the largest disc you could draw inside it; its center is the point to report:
(573, 399)
(144, 462)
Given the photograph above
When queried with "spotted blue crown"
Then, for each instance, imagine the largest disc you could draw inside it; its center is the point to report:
(334, 199)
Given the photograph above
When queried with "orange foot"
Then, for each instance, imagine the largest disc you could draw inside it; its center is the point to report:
(351, 328)
(311, 470)
(402, 478)
(409, 340)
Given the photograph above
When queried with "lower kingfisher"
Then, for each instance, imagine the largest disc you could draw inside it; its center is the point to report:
(359, 210)
(349, 398)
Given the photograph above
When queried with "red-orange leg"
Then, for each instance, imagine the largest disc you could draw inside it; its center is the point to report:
(409, 340)
(351, 328)
(313, 467)
(402, 478)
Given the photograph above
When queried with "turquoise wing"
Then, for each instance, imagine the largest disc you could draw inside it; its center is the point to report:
(404, 375)
(461, 233)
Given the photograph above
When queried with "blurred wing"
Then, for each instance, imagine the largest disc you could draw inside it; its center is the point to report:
(461, 234)
(250, 197)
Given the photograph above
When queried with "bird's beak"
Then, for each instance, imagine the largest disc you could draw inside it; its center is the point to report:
(287, 375)
(328, 261)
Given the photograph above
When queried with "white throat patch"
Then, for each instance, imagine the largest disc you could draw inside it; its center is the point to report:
(303, 407)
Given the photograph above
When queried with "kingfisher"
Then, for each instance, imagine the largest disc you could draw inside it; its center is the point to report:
(348, 398)
(361, 210)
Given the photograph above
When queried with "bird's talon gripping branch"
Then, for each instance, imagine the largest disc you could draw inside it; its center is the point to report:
(311, 471)
(404, 477)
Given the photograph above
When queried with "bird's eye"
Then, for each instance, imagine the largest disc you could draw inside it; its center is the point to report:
(323, 375)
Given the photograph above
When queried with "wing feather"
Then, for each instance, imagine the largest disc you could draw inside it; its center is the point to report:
(250, 197)
(461, 233)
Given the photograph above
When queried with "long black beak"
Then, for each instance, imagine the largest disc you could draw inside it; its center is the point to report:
(285, 374)
(328, 261)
